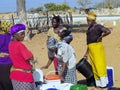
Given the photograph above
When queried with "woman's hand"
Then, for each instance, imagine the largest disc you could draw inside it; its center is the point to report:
(62, 78)
(99, 39)
(86, 57)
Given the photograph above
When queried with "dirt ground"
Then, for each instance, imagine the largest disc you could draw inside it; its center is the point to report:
(111, 43)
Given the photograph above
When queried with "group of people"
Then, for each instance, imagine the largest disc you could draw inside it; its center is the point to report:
(61, 52)
(15, 57)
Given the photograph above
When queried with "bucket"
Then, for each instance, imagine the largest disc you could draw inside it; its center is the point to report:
(110, 73)
(91, 81)
(84, 68)
(52, 78)
(78, 87)
(38, 75)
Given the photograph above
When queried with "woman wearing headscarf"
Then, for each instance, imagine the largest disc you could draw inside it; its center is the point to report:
(66, 58)
(95, 49)
(5, 61)
(21, 72)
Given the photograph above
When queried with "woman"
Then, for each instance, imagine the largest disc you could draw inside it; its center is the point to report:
(95, 49)
(5, 61)
(53, 33)
(66, 59)
(21, 72)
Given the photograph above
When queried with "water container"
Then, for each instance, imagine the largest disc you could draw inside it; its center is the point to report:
(110, 72)
(78, 87)
(84, 68)
(52, 78)
(38, 75)
(52, 89)
(91, 81)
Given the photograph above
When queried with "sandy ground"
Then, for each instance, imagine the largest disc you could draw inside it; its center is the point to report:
(111, 43)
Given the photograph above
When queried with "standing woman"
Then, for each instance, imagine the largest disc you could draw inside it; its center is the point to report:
(95, 49)
(21, 72)
(5, 61)
(53, 33)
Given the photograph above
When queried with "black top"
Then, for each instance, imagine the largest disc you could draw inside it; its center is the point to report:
(93, 33)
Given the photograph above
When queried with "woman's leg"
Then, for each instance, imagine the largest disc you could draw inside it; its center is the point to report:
(5, 82)
(17, 85)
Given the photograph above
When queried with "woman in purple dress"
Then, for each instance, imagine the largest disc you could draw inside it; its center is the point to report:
(5, 61)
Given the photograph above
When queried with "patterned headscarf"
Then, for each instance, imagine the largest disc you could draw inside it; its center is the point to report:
(17, 28)
(51, 43)
(68, 37)
(5, 27)
(91, 16)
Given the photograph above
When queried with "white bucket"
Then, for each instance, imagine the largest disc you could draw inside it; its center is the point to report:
(65, 86)
(38, 75)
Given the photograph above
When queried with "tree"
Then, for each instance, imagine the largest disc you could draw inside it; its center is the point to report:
(84, 3)
(108, 4)
(21, 10)
(50, 6)
(54, 7)
(62, 7)
(39, 9)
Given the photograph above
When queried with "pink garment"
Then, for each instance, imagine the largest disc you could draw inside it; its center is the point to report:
(20, 56)
(55, 63)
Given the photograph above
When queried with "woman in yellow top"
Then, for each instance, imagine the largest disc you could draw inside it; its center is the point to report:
(56, 26)
(95, 49)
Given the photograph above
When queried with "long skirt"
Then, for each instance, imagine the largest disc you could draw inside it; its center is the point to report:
(98, 62)
(5, 82)
(17, 85)
(69, 74)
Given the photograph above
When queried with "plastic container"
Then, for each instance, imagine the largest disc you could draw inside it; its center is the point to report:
(38, 75)
(78, 87)
(110, 72)
(65, 86)
(52, 89)
(52, 78)
(84, 68)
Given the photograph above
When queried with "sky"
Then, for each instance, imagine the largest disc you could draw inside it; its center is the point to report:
(10, 5)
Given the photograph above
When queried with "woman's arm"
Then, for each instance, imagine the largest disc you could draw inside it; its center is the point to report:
(86, 54)
(47, 65)
(64, 65)
(106, 32)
